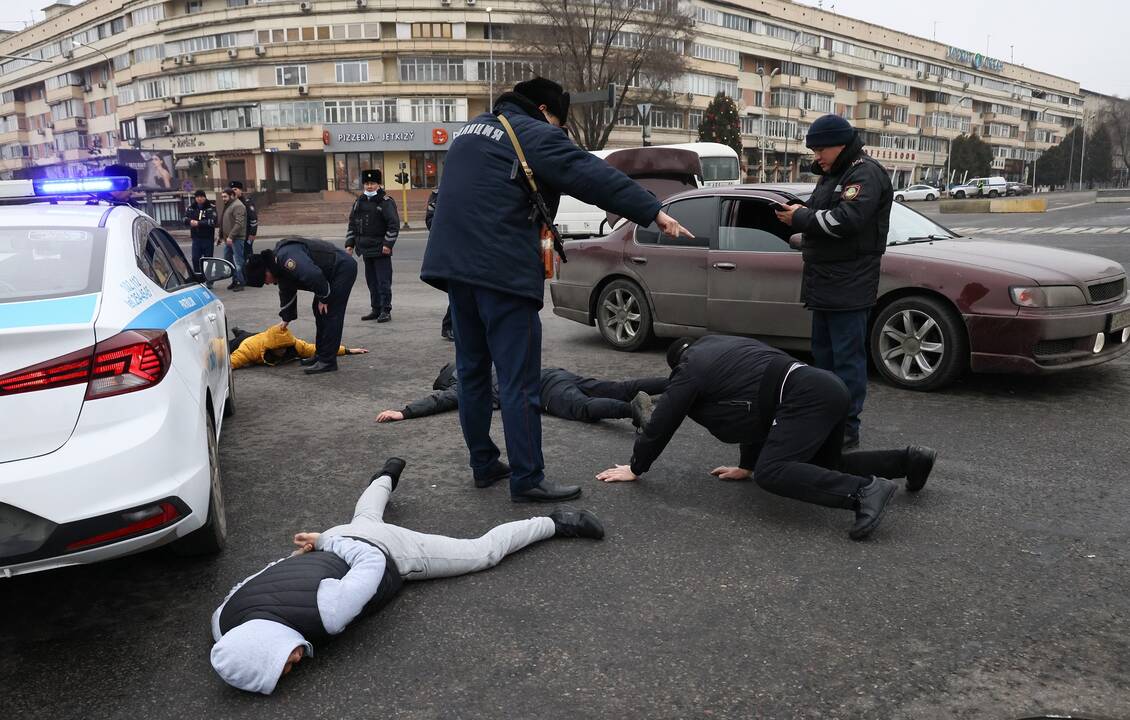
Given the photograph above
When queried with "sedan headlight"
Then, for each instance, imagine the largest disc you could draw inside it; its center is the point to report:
(1048, 297)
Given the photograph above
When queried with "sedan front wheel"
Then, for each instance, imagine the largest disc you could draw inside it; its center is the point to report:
(918, 343)
(623, 315)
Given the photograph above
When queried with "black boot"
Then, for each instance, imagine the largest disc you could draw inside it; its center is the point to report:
(919, 463)
(641, 409)
(307, 362)
(851, 441)
(393, 467)
(371, 316)
(384, 317)
(569, 522)
(547, 491)
(871, 501)
(320, 367)
(496, 472)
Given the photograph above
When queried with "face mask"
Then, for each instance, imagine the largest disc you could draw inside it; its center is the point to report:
(371, 193)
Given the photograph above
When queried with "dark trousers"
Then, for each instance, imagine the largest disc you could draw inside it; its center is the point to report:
(201, 248)
(327, 337)
(590, 399)
(445, 324)
(505, 329)
(839, 345)
(802, 456)
(378, 276)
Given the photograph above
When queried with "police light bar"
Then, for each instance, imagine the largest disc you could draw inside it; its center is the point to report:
(63, 187)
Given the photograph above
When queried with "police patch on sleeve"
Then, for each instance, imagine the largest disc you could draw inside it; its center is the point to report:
(851, 192)
(290, 264)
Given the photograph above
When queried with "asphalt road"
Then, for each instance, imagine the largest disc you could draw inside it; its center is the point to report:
(997, 592)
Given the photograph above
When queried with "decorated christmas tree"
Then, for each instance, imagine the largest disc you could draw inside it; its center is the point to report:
(720, 123)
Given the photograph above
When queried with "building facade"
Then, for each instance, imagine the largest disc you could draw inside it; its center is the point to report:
(298, 96)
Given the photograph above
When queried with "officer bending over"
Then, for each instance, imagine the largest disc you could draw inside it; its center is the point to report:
(315, 266)
(789, 421)
(563, 394)
(269, 622)
(373, 228)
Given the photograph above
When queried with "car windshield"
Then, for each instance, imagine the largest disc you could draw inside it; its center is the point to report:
(715, 169)
(39, 263)
(908, 226)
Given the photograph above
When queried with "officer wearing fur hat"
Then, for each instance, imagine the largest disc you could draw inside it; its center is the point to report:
(485, 252)
(844, 229)
(373, 228)
(316, 266)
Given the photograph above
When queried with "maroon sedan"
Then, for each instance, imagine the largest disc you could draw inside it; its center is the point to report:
(946, 303)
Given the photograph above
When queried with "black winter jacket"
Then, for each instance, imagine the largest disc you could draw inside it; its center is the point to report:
(306, 264)
(373, 225)
(845, 232)
(205, 217)
(446, 387)
(483, 232)
(718, 384)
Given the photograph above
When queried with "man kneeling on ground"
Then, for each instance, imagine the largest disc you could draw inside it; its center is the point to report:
(269, 622)
(789, 419)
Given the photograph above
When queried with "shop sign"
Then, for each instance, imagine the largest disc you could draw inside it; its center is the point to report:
(208, 142)
(383, 137)
(976, 60)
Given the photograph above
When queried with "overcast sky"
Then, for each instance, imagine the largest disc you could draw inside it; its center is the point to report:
(1084, 40)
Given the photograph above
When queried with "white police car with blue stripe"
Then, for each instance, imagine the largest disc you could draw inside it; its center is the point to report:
(114, 382)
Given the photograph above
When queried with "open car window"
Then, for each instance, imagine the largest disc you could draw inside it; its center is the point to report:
(749, 224)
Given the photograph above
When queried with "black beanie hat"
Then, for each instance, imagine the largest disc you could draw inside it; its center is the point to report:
(121, 171)
(256, 267)
(676, 350)
(373, 175)
(236, 185)
(541, 91)
(829, 131)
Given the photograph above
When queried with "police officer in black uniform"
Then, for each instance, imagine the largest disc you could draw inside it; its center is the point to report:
(200, 219)
(485, 252)
(373, 228)
(789, 420)
(844, 231)
(315, 266)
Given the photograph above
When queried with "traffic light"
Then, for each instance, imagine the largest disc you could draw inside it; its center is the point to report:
(402, 178)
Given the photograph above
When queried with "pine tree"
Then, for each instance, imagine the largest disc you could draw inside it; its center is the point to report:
(1098, 165)
(720, 123)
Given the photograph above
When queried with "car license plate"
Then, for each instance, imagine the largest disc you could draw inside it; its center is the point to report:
(1119, 320)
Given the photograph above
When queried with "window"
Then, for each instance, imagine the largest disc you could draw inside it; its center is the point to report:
(432, 69)
(380, 110)
(432, 110)
(146, 15)
(237, 3)
(427, 167)
(431, 30)
(751, 125)
(507, 72)
(351, 72)
(666, 119)
(227, 79)
(699, 215)
(152, 89)
(193, 6)
(302, 113)
(694, 119)
(752, 226)
(126, 95)
(290, 75)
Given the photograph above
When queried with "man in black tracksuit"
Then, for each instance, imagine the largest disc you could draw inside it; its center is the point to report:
(373, 228)
(788, 419)
(315, 266)
(563, 394)
(845, 235)
(200, 219)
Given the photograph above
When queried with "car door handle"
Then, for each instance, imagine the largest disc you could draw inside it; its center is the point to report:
(725, 266)
(638, 260)
(194, 330)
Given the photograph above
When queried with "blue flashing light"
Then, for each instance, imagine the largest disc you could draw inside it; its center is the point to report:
(79, 186)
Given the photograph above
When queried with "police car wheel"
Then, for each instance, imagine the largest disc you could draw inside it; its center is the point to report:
(918, 343)
(229, 404)
(213, 536)
(623, 315)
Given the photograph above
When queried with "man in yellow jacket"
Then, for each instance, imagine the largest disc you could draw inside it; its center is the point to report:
(273, 346)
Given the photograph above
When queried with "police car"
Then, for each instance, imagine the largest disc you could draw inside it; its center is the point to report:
(114, 381)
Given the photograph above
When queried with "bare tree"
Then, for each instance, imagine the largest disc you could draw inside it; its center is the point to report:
(586, 44)
(1116, 117)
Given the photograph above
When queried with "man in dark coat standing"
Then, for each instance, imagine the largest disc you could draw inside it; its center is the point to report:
(845, 235)
(485, 252)
(200, 219)
(315, 266)
(373, 228)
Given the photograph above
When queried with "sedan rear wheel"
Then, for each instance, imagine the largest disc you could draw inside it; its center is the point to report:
(213, 536)
(623, 315)
(918, 343)
(930, 197)
(899, 198)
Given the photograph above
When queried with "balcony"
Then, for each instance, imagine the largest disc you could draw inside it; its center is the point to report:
(70, 124)
(883, 98)
(15, 107)
(67, 92)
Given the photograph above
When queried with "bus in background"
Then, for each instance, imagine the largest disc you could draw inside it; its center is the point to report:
(720, 166)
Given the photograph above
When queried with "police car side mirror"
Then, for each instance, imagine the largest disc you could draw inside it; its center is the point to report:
(213, 269)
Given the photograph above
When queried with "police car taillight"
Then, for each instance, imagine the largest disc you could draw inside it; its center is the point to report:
(131, 360)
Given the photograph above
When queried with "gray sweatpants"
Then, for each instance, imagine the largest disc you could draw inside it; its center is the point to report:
(420, 556)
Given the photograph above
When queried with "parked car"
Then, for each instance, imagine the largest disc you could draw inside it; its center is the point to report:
(990, 187)
(916, 192)
(946, 303)
(1015, 188)
(114, 382)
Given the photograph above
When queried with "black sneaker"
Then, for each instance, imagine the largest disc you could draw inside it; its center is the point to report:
(496, 472)
(384, 316)
(393, 467)
(569, 522)
(238, 288)
(871, 501)
(919, 463)
(371, 316)
(447, 335)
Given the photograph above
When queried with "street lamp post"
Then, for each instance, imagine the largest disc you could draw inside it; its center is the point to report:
(789, 107)
(490, 38)
(761, 139)
(1083, 152)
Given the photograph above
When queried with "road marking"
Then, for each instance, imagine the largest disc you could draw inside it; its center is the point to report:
(1068, 207)
(1115, 230)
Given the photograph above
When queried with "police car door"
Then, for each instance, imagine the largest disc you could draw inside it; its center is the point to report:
(188, 309)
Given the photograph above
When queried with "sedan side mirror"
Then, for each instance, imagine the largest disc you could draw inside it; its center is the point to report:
(213, 269)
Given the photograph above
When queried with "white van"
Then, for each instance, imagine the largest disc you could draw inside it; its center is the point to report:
(995, 186)
(720, 166)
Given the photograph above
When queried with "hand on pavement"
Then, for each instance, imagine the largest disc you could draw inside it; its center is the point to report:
(619, 473)
(731, 473)
(390, 416)
(355, 351)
